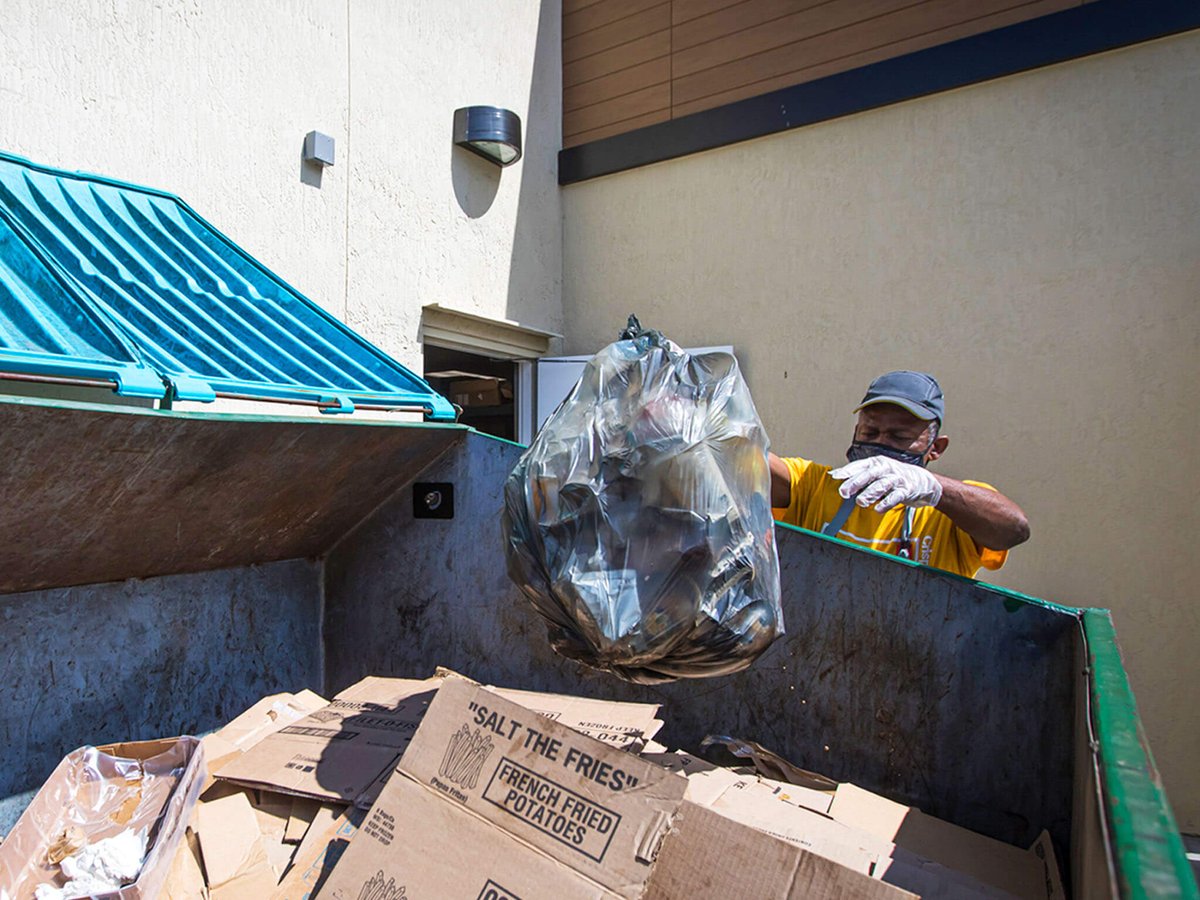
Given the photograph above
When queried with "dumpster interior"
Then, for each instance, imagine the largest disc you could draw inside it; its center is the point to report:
(163, 571)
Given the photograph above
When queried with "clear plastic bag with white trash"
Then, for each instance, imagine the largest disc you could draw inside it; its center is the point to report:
(639, 522)
(104, 818)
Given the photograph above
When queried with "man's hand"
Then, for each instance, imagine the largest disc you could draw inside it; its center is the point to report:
(879, 478)
(990, 518)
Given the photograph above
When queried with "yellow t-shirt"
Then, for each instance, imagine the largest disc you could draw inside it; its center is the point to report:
(936, 540)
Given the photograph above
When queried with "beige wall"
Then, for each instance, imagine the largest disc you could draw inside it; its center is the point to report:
(211, 100)
(1034, 241)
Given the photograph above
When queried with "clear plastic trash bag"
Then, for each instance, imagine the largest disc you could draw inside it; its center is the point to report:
(639, 522)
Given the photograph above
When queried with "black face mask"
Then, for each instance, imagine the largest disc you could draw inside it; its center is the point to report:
(865, 449)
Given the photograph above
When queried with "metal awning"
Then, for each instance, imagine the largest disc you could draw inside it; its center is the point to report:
(112, 284)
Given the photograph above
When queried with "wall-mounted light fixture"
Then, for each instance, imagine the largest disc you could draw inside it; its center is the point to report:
(490, 132)
(318, 148)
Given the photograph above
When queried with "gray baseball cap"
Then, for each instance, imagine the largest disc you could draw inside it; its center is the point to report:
(918, 392)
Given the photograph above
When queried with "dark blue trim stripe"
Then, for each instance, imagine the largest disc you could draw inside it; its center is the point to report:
(1092, 28)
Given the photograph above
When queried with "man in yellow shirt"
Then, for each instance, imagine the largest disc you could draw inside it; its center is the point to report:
(886, 499)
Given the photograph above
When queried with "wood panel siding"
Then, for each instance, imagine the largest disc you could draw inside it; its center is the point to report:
(630, 63)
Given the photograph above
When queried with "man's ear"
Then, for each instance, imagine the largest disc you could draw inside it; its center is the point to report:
(940, 443)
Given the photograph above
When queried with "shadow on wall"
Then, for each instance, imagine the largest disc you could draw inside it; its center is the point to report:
(476, 181)
(310, 172)
(535, 269)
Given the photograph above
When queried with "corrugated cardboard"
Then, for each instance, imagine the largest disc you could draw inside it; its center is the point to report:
(185, 881)
(421, 845)
(476, 392)
(320, 851)
(338, 751)
(300, 818)
(621, 724)
(627, 726)
(101, 792)
(265, 717)
(236, 865)
(345, 750)
(272, 812)
(707, 782)
(756, 805)
(493, 801)
(707, 855)
(1021, 873)
(752, 801)
(541, 810)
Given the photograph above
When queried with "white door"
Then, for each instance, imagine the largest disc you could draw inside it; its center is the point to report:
(555, 377)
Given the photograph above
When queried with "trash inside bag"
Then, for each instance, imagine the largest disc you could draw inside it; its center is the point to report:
(639, 523)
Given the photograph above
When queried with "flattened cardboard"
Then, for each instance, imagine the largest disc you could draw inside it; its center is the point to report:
(272, 811)
(435, 848)
(483, 763)
(747, 799)
(707, 782)
(621, 724)
(303, 810)
(265, 717)
(1016, 871)
(708, 855)
(185, 881)
(756, 805)
(320, 851)
(933, 881)
(236, 866)
(627, 726)
(338, 751)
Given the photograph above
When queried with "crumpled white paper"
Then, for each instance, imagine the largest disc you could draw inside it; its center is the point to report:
(106, 865)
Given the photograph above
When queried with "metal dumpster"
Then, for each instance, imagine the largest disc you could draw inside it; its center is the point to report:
(160, 571)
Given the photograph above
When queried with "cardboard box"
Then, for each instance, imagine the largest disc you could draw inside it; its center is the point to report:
(1031, 874)
(493, 800)
(338, 751)
(753, 801)
(346, 750)
(99, 792)
(626, 726)
(707, 782)
(546, 811)
(267, 716)
(234, 850)
(476, 392)
(319, 852)
(707, 855)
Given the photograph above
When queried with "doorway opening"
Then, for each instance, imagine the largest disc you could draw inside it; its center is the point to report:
(483, 387)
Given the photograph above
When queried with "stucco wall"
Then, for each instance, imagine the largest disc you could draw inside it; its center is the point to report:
(211, 100)
(1034, 241)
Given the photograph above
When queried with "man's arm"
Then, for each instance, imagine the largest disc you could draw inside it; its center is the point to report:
(990, 518)
(781, 482)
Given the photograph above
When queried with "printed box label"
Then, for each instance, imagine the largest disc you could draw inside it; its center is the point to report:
(552, 808)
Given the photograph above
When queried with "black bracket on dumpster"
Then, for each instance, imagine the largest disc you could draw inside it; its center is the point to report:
(433, 500)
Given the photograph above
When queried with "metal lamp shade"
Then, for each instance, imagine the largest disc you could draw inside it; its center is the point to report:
(490, 132)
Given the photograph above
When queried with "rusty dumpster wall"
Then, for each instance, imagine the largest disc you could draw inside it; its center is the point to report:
(926, 687)
(142, 659)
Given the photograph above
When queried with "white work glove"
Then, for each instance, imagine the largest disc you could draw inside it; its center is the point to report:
(894, 481)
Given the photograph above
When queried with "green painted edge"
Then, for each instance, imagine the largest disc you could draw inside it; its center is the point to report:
(1008, 594)
(1146, 845)
(492, 437)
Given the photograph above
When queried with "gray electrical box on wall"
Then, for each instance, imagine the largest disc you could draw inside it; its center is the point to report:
(318, 148)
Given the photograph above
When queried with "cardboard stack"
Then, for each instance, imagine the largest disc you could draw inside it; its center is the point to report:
(400, 789)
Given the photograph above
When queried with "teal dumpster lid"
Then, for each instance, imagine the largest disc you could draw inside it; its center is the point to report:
(111, 282)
